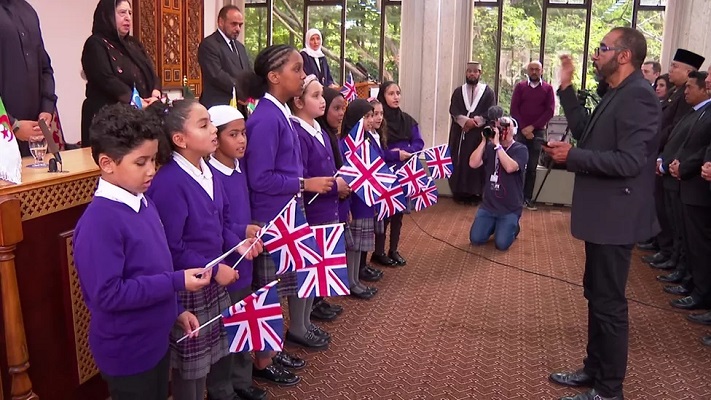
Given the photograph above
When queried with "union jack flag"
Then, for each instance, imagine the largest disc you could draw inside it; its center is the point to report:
(391, 202)
(349, 90)
(366, 173)
(439, 162)
(412, 177)
(427, 197)
(290, 240)
(329, 277)
(356, 137)
(255, 323)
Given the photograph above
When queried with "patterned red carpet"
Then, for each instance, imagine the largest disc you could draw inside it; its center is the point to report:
(452, 325)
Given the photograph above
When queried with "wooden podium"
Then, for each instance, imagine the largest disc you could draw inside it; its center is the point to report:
(45, 322)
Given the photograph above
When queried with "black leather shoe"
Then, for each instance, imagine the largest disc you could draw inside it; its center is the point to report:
(668, 264)
(573, 379)
(678, 290)
(251, 393)
(323, 314)
(320, 332)
(703, 319)
(706, 340)
(374, 270)
(589, 395)
(382, 259)
(687, 303)
(309, 341)
(368, 276)
(334, 308)
(286, 360)
(397, 258)
(276, 374)
(674, 277)
(650, 246)
(364, 295)
(655, 258)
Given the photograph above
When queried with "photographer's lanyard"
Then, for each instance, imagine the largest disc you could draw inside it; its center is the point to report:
(494, 179)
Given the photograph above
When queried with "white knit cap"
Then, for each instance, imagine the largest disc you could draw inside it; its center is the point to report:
(221, 115)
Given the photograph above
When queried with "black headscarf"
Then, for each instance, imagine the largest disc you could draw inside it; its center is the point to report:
(355, 111)
(329, 94)
(399, 123)
(105, 26)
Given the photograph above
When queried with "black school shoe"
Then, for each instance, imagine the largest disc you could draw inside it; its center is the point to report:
(382, 259)
(276, 374)
(395, 256)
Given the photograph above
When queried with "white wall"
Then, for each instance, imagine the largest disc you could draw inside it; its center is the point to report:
(64, 30)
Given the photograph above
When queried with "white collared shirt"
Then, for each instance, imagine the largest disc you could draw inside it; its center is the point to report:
(229, 42)
(535, 84)
(112, 192)
(314, 131)
(203, 178)
(224, 168)
(376, 137)
(703, 103)
(284, 109)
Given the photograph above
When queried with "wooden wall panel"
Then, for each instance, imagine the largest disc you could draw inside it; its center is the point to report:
(171, 31)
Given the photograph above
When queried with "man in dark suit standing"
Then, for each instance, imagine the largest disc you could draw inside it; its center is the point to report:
(613, 205)
(694, 193)
(222, 57)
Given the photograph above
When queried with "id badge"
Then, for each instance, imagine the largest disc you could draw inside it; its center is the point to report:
(494, 178)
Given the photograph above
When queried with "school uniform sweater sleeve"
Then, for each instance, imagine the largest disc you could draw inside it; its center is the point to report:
(306, 146)
(261, 164)
(416, 143)
(230, 234)
(101, 265)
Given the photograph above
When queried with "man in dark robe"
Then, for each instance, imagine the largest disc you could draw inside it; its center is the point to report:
(27, 78)
(468, 108)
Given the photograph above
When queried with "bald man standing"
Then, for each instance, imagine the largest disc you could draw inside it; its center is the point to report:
(532, 105)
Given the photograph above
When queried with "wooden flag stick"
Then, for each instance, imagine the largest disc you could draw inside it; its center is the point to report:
(314, 198)
(199, 327)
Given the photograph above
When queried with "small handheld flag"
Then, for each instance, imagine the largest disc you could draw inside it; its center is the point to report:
(136, 99)
(10, 159)
(328, 277)
(349, 90)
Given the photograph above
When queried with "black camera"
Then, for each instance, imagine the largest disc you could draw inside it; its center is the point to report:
(488, 131)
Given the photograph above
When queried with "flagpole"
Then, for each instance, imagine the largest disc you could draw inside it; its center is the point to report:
(314, 198)
(262, 230)
(199, 327)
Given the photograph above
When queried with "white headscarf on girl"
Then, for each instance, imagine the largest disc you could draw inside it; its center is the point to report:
(311, 52)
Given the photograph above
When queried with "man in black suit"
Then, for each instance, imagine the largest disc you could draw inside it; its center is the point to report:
(694, 193)
(222, 57)
(613, 205)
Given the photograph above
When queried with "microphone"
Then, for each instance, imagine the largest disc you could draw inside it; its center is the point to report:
(51, 145)
(363, 70)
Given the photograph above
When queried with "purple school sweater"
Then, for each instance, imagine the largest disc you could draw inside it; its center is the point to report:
(272, 161)
(238, 196)
(196, 226)
(413, 145)
(318, 161)
(129, 285)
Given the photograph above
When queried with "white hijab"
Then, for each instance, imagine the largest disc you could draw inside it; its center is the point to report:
(311, 52)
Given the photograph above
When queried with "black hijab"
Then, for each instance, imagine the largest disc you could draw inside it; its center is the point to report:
(329, 94)
(399, 123)
(104, 26)
(355, 111)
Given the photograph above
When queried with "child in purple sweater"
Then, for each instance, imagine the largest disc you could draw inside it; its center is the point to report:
(124, 263)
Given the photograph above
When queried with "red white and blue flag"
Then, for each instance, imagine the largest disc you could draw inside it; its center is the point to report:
(290, 240)
(412, 176)
(256, 323)
(356, 137)
(329, 277)
(426, 197)
(439, 162)
(392, 201)
(349, 90)
(366, 173)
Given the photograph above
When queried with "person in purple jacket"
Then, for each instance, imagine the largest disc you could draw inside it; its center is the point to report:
(275, 171)
(124, 264)
(225, 165)
(403, 133)
(195, 213)
(318, 160)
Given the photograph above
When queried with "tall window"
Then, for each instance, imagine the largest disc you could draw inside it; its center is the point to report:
(365, 32)
(507, 34)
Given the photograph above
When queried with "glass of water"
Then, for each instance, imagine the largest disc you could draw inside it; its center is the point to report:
(38, 148)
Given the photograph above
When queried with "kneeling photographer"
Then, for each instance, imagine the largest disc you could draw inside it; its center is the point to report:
(504, 162)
